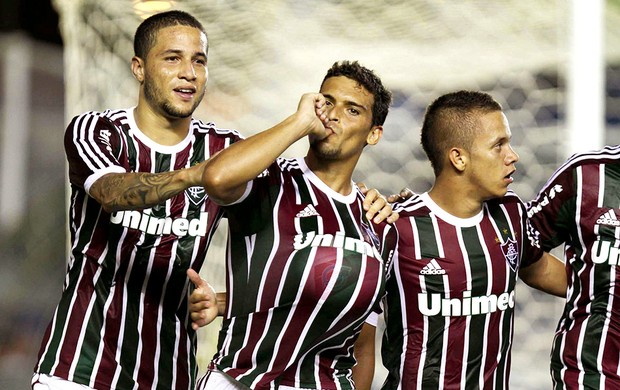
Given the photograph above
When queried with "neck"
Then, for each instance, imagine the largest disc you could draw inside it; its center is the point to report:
(454, 198)
(335, 174)
(161, 129)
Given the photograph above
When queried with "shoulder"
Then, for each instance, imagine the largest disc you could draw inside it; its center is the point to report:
(509, 201)
(210, 129)
(608, 155)
(91, 125)
(412, 206)
(99, 119)
(291, 165)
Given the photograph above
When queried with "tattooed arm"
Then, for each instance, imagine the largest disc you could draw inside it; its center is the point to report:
(138, 190)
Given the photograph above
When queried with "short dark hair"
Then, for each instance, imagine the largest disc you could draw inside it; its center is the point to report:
(369, 80)
(146, 33)
(451, 121)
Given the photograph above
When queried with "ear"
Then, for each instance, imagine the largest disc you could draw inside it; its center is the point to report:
(458, 158)
(374, 135)
(137, 68)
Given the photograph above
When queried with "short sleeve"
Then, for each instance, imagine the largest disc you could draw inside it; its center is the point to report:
(93, 146)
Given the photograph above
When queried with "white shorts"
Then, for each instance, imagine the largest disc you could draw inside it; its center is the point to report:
(46, 382)
(217, 380)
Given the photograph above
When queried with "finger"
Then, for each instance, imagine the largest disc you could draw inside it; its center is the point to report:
(362, 188)
(406, 193)
(195, 278)
(379, 203)
(370, 198)
(393, 217)
(394, 198)
(384, 213)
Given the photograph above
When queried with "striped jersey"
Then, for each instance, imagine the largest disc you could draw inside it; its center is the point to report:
(450, 295)
(580, 207)
(122, 321)
(303, 273)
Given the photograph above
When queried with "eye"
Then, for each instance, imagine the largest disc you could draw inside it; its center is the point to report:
(354, 111)
(328, 103)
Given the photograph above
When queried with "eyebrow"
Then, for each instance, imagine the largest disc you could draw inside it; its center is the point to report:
(178, 51)
(347, 102)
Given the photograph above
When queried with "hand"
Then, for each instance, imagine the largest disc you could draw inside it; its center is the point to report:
(203, 305)
(313, 109)
(377, 207)
(404, 194)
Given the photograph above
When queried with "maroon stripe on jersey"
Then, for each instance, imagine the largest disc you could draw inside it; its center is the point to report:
(582, 303)
(258, 323)
(77, 317)
(458, 329)
(495, 322)
(409, 267)
(280, 258)
(111, 335)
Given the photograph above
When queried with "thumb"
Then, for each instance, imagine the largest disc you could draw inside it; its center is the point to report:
(195, 278)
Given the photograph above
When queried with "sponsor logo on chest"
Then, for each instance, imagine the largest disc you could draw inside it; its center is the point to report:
(435, 304)
(143, 221)
(339, 240)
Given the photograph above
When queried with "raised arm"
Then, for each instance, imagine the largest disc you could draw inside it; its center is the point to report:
(226, 174)
(136, 190)
(547, 274)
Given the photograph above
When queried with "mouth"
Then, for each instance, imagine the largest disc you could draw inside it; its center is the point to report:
(509, 177)
(329, 131)
(185, 93)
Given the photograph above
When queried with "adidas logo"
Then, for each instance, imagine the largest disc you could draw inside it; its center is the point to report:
(432, 268)
(309, 211)
(609, 218)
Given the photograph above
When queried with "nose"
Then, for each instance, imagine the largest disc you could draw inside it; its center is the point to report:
(332, 113)
(512, 156)
(187, 71)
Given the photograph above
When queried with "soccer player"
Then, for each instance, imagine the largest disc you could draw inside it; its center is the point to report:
(139, 219)
(579, 208)
(450, 291)
(304, 266)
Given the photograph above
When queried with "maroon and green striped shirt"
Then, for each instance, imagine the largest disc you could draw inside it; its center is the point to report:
(450, 295)
(580, 207)
(122, 321)
(303, 273)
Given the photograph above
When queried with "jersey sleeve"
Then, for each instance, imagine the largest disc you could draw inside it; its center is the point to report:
(93, 146)
(552, 211)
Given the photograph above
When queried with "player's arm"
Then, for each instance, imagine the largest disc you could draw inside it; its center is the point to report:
(548, 274)
(364, 353)
(227, 173)
(137, 190)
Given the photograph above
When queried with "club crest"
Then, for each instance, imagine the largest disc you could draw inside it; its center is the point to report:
(511, 253)
(196, 194)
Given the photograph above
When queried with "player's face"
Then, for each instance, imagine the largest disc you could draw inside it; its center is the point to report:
(175, 71)
(349, 109)
(492, 158)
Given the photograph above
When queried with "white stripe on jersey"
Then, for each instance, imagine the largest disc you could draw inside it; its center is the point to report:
(468, 277)
(579, 172)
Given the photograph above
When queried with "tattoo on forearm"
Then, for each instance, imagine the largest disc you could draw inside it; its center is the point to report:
(136, 191)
